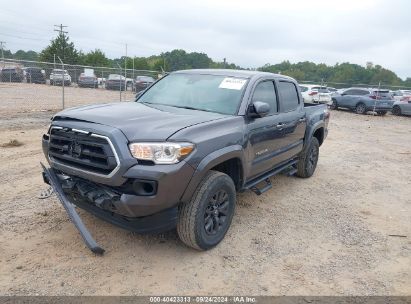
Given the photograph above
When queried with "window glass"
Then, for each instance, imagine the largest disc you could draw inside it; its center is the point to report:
(265, 92)
(349, 92)
(288, 96)
(303, 89)
(213, 93)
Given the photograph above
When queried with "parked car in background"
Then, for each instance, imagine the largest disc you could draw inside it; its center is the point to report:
(116, 82)
(87, 81)
(14, 74)
(59, 76)
(130, 84)
(315, 93)
(362, 100)
(402, 107)
(143, 82)
(331, 89)
(101, 80)
(35, 75)
(402, 95)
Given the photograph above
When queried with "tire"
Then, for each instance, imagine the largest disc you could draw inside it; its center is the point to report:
(308, 159)
(334, 105)
(360, 108)
(203, 222)
(396, 110)
(382, 113)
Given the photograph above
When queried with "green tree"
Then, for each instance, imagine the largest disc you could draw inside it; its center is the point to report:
(29, 55)
(94, 58)
(61, 47)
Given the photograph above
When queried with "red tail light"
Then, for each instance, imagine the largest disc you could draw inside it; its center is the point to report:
(375, 96)
(312, 93)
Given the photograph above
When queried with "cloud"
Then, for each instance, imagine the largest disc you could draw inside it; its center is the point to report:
(249, 33)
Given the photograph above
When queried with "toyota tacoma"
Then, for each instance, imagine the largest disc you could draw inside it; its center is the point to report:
(176, 157)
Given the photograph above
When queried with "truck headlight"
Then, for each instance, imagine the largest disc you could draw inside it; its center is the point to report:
(161, 153)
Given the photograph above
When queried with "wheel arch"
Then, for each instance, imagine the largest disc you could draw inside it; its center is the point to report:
(228, 160)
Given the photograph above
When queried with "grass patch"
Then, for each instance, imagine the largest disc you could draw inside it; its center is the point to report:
(12, 143)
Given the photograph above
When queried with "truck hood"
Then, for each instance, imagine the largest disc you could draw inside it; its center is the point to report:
(138, 121)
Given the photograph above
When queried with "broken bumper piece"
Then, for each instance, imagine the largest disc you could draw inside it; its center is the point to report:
(52, 179)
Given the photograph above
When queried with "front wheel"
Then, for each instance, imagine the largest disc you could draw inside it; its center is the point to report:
(308, 159)
(203, 222)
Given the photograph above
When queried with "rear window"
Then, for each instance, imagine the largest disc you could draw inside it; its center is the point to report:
(289, 96)
(303, 89)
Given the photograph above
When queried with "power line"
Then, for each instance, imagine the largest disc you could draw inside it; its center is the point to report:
(61, 26)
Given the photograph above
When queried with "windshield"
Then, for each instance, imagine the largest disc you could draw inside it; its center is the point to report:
(211, 93)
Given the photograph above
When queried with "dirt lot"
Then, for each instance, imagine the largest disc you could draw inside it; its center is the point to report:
(327, 235)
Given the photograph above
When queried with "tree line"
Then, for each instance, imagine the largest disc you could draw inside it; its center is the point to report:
(340, 74)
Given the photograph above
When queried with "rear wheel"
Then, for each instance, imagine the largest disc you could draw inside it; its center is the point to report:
(396, 110)
(203, 222)
(308, 159)
(334, 105)
(360, 108)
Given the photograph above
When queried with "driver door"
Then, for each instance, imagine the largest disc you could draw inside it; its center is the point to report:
(265, 138)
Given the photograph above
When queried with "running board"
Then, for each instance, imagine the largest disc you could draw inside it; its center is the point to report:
(287, 168)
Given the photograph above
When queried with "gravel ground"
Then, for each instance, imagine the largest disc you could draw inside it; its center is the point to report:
(326, 235)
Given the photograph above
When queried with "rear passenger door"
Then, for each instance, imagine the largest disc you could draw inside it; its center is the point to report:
(293, 119)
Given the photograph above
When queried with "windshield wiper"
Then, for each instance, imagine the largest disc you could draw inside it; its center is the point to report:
(191, 108)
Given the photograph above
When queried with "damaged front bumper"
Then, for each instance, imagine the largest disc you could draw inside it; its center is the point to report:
(52, 179)
(100, 201)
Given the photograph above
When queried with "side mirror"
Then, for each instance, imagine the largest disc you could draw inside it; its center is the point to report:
(258, 109)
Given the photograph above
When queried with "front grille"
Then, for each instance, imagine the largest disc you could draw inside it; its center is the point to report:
(82, 150)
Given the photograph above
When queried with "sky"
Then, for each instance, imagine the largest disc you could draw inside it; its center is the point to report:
(247, 33)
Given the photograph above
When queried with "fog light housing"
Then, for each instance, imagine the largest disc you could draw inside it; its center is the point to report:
(144, 187)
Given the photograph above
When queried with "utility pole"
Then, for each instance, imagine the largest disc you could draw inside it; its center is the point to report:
(2, 43)
(59, 28)
(225, 62)
(125, 68)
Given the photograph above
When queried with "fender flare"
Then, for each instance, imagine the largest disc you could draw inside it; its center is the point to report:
(310, 134)
(210, 161)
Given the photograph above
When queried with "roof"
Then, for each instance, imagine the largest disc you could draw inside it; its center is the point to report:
(230, 73)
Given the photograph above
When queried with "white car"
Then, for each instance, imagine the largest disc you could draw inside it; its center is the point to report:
(313, 93)
(59, 76)
(402, 95)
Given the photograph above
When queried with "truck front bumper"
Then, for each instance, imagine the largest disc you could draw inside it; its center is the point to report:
(99, 200)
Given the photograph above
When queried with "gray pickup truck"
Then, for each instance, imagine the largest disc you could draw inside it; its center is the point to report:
(176, 157)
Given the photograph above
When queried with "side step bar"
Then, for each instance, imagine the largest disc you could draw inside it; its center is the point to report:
(288, 168)
(52, 178)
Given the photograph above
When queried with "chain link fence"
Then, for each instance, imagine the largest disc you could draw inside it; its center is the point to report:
(31, 86)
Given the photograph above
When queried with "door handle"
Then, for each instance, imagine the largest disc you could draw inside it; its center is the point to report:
(280, 125)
